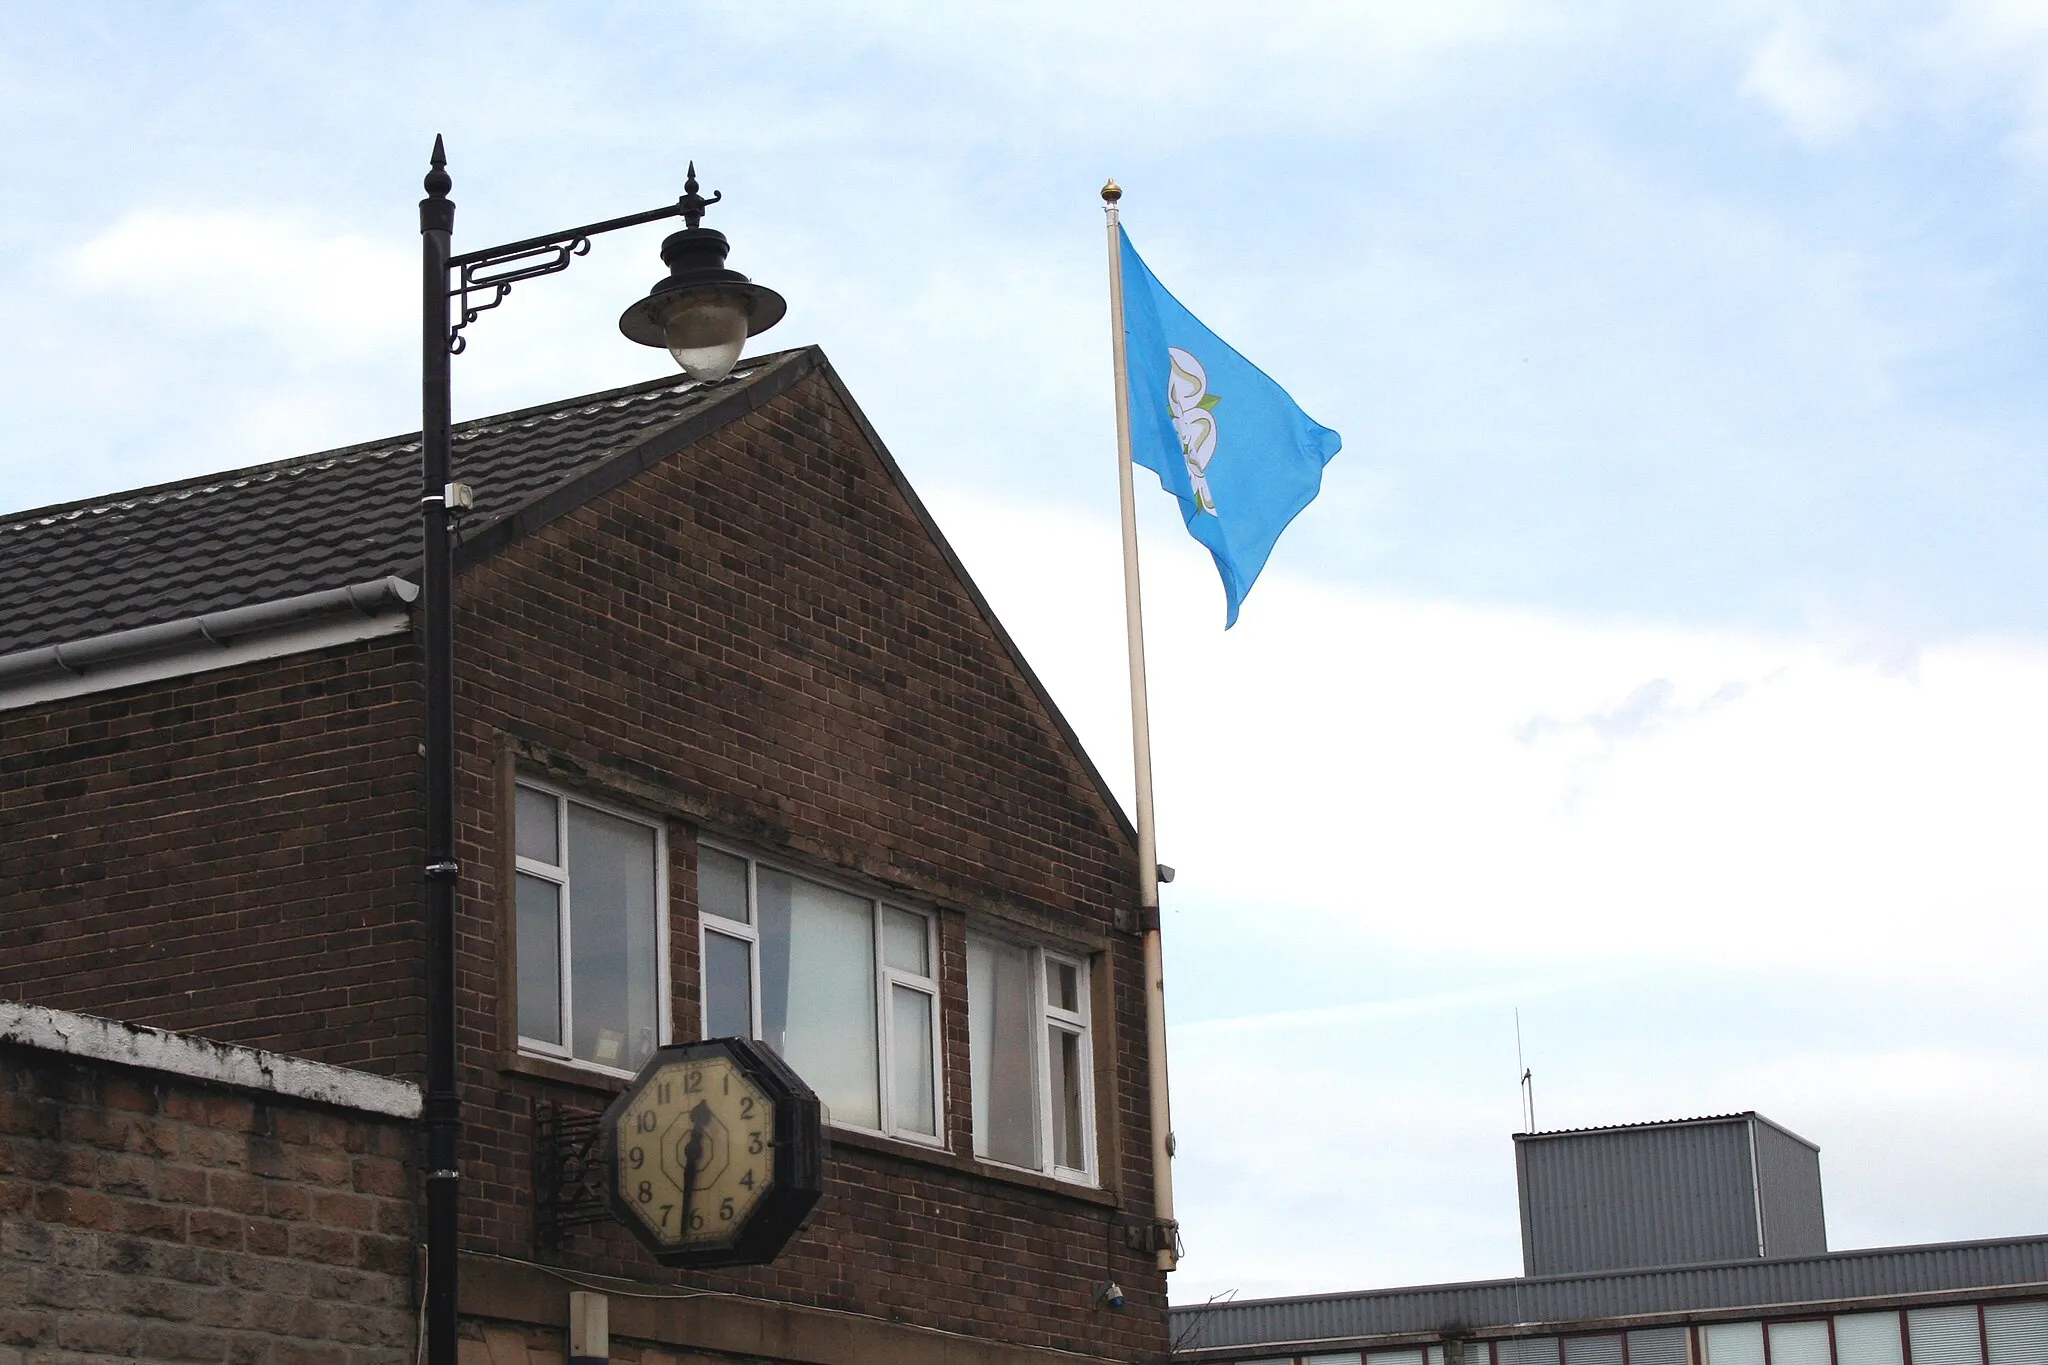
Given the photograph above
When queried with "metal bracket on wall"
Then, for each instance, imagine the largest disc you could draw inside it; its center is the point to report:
(1150, 1235)
(569, 1172)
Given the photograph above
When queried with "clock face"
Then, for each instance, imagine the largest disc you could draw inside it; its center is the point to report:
(695, 1152)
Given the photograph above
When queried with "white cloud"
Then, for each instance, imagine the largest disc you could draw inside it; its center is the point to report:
(1819, 98)
(212, 271)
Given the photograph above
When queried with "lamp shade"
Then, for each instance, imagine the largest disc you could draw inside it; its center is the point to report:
(701, 312)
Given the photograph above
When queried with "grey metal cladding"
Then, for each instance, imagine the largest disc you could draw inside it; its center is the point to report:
(1648, 1195)
(1765, 1285)
(1789, 1192)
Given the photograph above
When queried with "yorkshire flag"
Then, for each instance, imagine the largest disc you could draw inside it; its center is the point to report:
(1223, 438)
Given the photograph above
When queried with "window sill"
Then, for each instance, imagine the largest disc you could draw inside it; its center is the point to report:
(568, 1073)
(983, 1170)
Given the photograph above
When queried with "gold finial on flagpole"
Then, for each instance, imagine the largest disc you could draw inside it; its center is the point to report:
(1111, 192)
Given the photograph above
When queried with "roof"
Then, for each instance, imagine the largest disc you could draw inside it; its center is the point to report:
(319, 521)
(1746, 1116)
(1250, 1327)
(348, 518)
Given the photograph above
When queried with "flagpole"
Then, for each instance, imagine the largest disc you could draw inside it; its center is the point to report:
(1168, 1254)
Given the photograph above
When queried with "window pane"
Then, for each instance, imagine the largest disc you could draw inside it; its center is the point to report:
(906, 945)
(2017, 1333)
(818, 990)
(1335, 1358)
(1528, 1351)
(1800, 1343)
(728, 991)
(1596, 1351)
(1067, 1149)
(911, 1081)
(1945, 1336)
(539, 953)
(722, 886)
(1658, 1346)
(1734, 1343)
(537, 828)
(1062, 986)
(1395, 1358)
(1001, 1044)
(1868, 1339)
(612, 967)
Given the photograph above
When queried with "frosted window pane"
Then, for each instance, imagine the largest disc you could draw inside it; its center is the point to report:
(2017, 1333)
(1945, 1336)
(1595, 1351)
(910, 1028)
(1799, 1343)
(905, 944)
(1868, 1339)
(539, 950)
(536, 822)
(1527, 1351)
(722, 886)
(728, 993)
(1734, 1343)
(1067, 1147)
(1394, 1358)
(818, 991)
(1658, 1346)
(612, 967)
(1001, 1043)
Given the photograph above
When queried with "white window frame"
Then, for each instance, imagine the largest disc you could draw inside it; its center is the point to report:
(1049, 1019)
(558, 874)
(885, 978)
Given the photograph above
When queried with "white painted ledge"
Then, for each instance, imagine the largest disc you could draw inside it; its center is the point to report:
(201, 1059)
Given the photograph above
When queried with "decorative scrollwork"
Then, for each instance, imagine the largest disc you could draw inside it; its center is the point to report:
(496, 274)
(569, 1172)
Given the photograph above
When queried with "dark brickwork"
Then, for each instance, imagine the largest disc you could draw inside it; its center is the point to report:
(146, 1216)
(756, 638)
(232, 854)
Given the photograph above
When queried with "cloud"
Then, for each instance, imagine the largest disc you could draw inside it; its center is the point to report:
(214, 271)
(1820, 99)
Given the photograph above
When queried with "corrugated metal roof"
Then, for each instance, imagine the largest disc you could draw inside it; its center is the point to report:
(1479, 1305)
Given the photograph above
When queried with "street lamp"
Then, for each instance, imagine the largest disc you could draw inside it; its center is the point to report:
(702, 314)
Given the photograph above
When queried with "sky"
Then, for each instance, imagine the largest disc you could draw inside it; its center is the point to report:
(1661, 662)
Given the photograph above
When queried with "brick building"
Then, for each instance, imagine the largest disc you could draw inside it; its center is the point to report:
(741, 749)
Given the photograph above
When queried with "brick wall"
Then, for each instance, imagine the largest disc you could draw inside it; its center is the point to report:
(154, 1217)
(759, 638)
(234, 853)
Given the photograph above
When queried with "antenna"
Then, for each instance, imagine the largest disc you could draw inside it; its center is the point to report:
(1528, 1079)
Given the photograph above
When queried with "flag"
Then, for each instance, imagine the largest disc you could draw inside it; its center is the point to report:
(1223, 438)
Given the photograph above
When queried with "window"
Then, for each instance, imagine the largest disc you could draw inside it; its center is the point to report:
(590, 939)
(844, 987)
(1030, 1058)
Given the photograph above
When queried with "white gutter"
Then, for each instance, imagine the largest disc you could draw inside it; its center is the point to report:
(197, 644)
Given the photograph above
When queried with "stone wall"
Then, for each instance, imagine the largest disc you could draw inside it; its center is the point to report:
(146, 1214)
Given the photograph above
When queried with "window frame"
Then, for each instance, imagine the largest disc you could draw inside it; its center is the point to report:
(886, 978)
(563, 1053)
(1049, 1019)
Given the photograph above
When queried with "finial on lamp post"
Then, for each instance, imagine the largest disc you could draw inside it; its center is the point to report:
(694, 203)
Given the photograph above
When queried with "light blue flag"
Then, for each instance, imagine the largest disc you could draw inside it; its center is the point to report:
(1222, 437)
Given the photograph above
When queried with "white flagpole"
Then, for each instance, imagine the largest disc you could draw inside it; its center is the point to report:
(1141, 753)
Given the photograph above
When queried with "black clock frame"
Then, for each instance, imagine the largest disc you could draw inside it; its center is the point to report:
(799, 1169)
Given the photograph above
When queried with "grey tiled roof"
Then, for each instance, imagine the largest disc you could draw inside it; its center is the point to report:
(315, 521)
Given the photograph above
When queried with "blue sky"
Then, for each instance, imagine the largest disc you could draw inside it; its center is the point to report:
(1662, 657)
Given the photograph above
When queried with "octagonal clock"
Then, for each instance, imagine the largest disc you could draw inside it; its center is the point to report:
(717, 1153)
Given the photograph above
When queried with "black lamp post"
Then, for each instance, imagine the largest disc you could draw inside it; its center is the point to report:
(703, 314)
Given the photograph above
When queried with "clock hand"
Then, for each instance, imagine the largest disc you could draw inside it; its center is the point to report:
(693, 1157)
